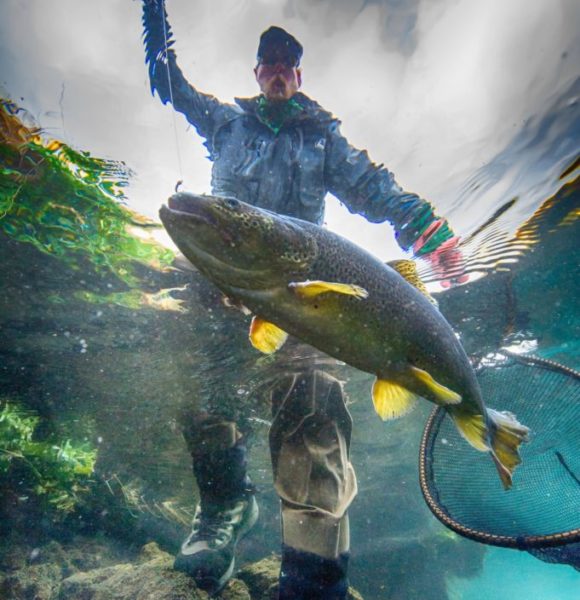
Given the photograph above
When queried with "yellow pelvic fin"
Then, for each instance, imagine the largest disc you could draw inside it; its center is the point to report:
(443, 395)
(310, 289)
(265, 336)
(392, 400)
(407, 269)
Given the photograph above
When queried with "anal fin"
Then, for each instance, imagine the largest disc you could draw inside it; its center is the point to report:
(391, 400)
(265, 336)
(443, 395)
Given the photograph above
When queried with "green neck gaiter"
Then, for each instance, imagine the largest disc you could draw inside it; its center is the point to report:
(275, 114)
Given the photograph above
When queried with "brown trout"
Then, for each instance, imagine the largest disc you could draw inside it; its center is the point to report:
(300, 279)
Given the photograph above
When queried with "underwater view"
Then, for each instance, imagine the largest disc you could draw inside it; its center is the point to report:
(289, 302)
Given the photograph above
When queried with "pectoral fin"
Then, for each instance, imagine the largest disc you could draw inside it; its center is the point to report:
(442, 395)
(407, 269)
(392, 400)
(310, 289)
(265, 336)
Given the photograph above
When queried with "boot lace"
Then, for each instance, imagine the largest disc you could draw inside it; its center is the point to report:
(217, 526)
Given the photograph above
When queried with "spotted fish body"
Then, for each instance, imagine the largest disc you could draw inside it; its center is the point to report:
(299, 278)
(380, 334)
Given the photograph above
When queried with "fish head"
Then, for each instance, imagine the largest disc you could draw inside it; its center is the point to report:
(235, 243)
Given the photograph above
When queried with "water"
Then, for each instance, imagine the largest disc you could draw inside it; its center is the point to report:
(99, 351)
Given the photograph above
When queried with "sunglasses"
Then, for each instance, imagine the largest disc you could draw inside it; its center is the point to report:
(270, 61)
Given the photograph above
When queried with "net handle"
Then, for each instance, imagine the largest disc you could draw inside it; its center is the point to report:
(544, 363)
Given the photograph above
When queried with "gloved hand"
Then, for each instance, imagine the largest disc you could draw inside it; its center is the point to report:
(159, 54)
(445, 257)
(156, 5)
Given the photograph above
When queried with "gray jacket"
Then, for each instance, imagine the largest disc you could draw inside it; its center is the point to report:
(288, 172)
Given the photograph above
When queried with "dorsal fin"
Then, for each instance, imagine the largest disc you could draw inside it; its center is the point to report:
(407, 269)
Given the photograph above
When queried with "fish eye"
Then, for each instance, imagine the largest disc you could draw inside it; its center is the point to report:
(232, 203)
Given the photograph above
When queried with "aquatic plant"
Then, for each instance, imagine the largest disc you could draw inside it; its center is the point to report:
(57, 472)
(135, 299)
(69, 204)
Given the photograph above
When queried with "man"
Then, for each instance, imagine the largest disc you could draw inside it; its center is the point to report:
(281, 151)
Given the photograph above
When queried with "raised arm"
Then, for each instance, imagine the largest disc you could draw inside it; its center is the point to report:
(371, 191)
(203, 111)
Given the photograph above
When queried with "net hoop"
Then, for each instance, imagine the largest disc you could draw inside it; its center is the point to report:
(426, 478)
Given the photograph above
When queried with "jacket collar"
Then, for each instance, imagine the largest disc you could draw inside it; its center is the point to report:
(312, 110)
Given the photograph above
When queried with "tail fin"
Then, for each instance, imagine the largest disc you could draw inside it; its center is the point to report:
(501, 437)
(506, 435)
(472, 428)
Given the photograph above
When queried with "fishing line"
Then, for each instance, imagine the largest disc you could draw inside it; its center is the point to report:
(179, 163)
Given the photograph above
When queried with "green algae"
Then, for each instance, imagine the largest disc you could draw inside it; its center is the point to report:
(134, 299)
(69, 204)
(57, 471)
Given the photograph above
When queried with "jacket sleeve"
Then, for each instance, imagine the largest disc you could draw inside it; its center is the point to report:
(370, 190)
(203, 111)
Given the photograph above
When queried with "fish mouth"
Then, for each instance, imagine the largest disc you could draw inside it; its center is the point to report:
(194, 208)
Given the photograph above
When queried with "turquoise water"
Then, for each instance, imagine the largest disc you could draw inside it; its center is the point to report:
(509, 574)
(95, 346)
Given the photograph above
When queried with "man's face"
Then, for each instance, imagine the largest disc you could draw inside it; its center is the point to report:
(278, 76)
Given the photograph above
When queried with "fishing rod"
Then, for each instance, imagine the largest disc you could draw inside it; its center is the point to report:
(170, 84)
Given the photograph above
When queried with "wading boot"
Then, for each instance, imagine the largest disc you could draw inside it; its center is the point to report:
(307, 576)
(226, 512)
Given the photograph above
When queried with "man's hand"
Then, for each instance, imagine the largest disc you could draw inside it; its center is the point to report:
(445, 256)
(448, 263)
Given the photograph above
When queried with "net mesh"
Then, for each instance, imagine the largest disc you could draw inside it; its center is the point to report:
(542, 510)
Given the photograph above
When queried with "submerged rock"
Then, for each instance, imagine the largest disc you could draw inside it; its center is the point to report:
(89, 569)
(262, 577)
(35, 571)
(150, 577)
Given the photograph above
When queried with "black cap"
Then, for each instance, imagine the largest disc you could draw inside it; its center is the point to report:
(279, 40)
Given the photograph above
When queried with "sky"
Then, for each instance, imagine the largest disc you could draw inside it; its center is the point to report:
(434, 89)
